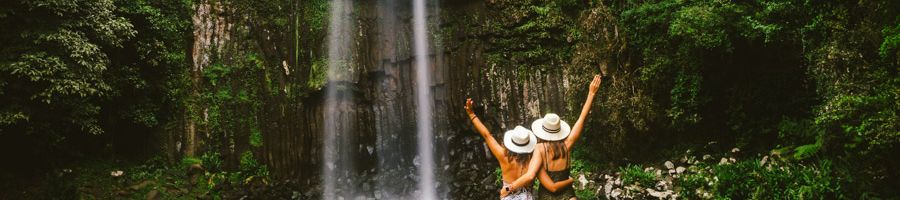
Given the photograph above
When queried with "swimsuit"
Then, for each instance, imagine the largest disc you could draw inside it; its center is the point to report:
(565, 193)
(520, 194)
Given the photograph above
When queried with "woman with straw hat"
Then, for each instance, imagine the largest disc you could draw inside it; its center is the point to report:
(555, 140)
(516, 163)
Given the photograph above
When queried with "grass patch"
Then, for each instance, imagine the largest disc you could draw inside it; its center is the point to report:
(635, 174)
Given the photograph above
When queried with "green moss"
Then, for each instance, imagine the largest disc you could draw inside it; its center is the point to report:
(256, 139)
(888, 48)
(315, 13)
(318, 74)
(188, 161)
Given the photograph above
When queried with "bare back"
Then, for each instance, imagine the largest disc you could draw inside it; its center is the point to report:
(558, 164)
(511, 170)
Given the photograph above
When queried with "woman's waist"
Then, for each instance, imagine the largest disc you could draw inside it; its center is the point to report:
(511, 175)
(526, 187)
(559, 175)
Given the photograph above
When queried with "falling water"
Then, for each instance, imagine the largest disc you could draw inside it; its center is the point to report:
(339, 179)
(337, 161)
(424, 101)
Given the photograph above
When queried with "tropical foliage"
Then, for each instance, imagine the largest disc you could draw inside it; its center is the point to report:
(810, 90)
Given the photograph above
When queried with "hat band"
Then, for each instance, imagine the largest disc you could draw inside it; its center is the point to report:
(520, 144)
(550, 130)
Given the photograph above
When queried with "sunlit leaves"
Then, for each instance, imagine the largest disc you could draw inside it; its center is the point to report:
(7, 118)
(847, 51)
(60, 79)
(686, 99)
(700, 25)
(890, 48)
(526, 34)
(673, 37)
(62, 62)
(868, 121)
(59, 59)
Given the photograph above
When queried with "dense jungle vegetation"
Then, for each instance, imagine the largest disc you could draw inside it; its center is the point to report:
(762, 99)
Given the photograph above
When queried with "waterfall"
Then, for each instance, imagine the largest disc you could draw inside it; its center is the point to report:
(402, 171)
(424, 101)
(336, 155)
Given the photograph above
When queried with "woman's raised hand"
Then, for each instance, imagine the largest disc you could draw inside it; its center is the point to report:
(595, 84)
(469, 106)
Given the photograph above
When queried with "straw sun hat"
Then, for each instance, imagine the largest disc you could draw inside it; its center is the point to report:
(551, 128)
(519, 140)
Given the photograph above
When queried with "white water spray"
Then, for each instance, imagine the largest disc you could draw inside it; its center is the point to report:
(424, 101)
(339, 179)
(336, 158)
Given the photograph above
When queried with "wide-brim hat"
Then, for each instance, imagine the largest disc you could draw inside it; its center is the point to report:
(519, 140)
(551, 128)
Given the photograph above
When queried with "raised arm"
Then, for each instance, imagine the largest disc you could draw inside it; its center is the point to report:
(579, 125)
(533, 166)
(548, 183)
(496, 149)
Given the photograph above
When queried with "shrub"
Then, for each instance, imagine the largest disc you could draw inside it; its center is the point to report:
(751, 180)
(689, 184)
(635, 174)
(251, 168)
(586, 194)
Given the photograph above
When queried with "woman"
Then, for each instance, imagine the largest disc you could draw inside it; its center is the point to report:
(513, 157)
(555, 140)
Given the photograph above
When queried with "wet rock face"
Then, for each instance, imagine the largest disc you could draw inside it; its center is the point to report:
(480, 51)
(383, 110)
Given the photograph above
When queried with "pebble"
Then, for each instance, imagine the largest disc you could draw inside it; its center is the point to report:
(582, 180)
(658, 194)
(608, 188)
(615, 193)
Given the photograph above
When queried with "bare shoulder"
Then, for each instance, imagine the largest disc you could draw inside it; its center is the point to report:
(538, 148)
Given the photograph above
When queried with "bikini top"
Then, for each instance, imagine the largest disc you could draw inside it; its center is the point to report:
(559, 175)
